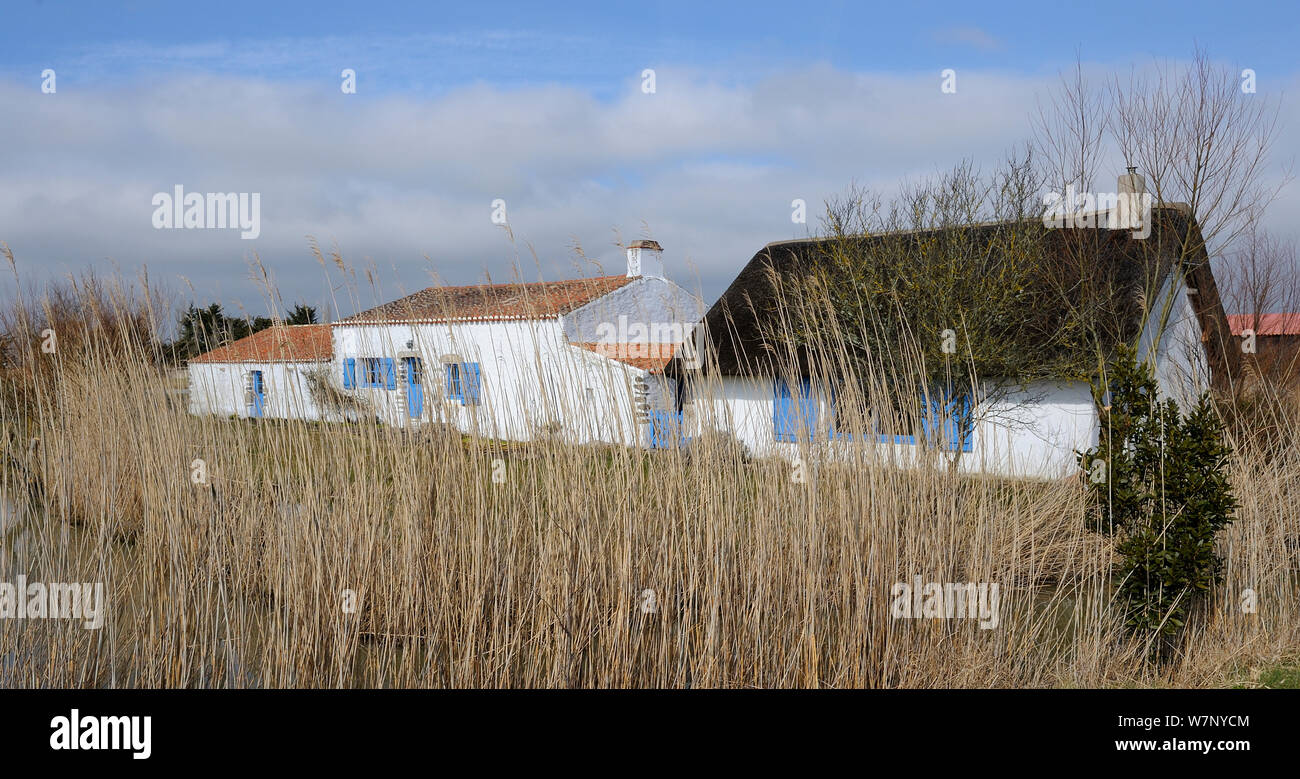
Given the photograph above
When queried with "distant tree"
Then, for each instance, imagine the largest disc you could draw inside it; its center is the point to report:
(301, 314)
(204, 329)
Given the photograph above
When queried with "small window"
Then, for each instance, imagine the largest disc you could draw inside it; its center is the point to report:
(454, 389)
(373, 372)
(462, 382)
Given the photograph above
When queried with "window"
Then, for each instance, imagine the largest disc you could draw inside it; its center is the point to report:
(378, 372)
(946, 425)
(454, 390)
(462, 382)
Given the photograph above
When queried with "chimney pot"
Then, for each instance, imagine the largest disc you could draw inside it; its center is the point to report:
(645, 257)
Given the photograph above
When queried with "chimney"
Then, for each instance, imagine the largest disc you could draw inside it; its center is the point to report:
(1133, 204)
(1132, 183)
(645, 258)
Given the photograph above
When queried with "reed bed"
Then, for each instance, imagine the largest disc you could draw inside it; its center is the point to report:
(758, 579)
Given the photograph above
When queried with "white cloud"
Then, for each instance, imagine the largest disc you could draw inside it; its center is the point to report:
(711, 167)
(968, 36)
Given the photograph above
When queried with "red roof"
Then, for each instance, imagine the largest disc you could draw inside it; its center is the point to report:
(492, 302)
(286, 343)
(1266, 324)
(647, 357)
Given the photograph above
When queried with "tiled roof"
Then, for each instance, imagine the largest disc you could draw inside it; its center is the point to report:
(286, 343)
(647, 357)
(1267, 324)
(491, 302)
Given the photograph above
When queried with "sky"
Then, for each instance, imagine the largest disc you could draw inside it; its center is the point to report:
(544, 106)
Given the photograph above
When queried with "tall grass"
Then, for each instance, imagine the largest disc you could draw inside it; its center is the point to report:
(759, 579)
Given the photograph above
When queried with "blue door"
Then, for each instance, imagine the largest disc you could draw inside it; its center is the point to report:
(794, 410)
(259, 395)
(665, 429)
(414, 386)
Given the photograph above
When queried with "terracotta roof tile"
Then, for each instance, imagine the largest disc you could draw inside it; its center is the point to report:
(492, 302)
(287, 343)
(1267, 324)
(646, 356)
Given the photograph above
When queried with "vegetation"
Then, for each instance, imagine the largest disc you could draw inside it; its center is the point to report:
(1159, 483)
(204, 329)
(760, 579)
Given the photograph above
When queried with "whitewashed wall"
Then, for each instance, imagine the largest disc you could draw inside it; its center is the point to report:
(1025, 433)
(1181, 369)
(531, 380)
(665, 312)
(218, 388)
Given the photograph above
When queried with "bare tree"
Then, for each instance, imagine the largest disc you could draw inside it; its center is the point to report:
(1200, 140)
(1069, 133)
(1261, 277)
(1195, 136)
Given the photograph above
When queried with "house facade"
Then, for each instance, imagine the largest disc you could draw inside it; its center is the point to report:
(786, 408)
(266, 375)
(580, 359)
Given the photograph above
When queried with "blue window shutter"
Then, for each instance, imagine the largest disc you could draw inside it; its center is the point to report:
(959, 438)
(390, 373)
(665, 429)
(807, 409)
(782, 418)
(349, 373)
(831, 416)
(471, 378)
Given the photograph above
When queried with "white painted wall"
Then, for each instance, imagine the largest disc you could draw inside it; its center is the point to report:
(218, 388)
(531, 380)
(1026, 433)
(1181, 369)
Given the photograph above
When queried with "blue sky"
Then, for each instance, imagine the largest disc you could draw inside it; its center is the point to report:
(591, 42)
(538, 104)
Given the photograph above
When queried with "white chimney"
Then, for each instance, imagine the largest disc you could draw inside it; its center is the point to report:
(1133, 205)
(645, 258)
(1132, 183)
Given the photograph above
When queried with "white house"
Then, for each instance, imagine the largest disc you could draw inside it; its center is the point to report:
(581, 358)
(780, 408)
(267, 374)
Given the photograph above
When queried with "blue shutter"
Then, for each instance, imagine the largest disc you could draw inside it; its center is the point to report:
(349, 373)
(807, 410)
(471, 378)
(665, 429)
(390, 373)
(942, 422)
(782, 411)
(960, 438)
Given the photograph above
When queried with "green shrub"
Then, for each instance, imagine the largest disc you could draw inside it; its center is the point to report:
(1160, 488)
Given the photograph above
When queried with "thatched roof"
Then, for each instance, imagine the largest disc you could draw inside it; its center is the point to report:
(1082, 261)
